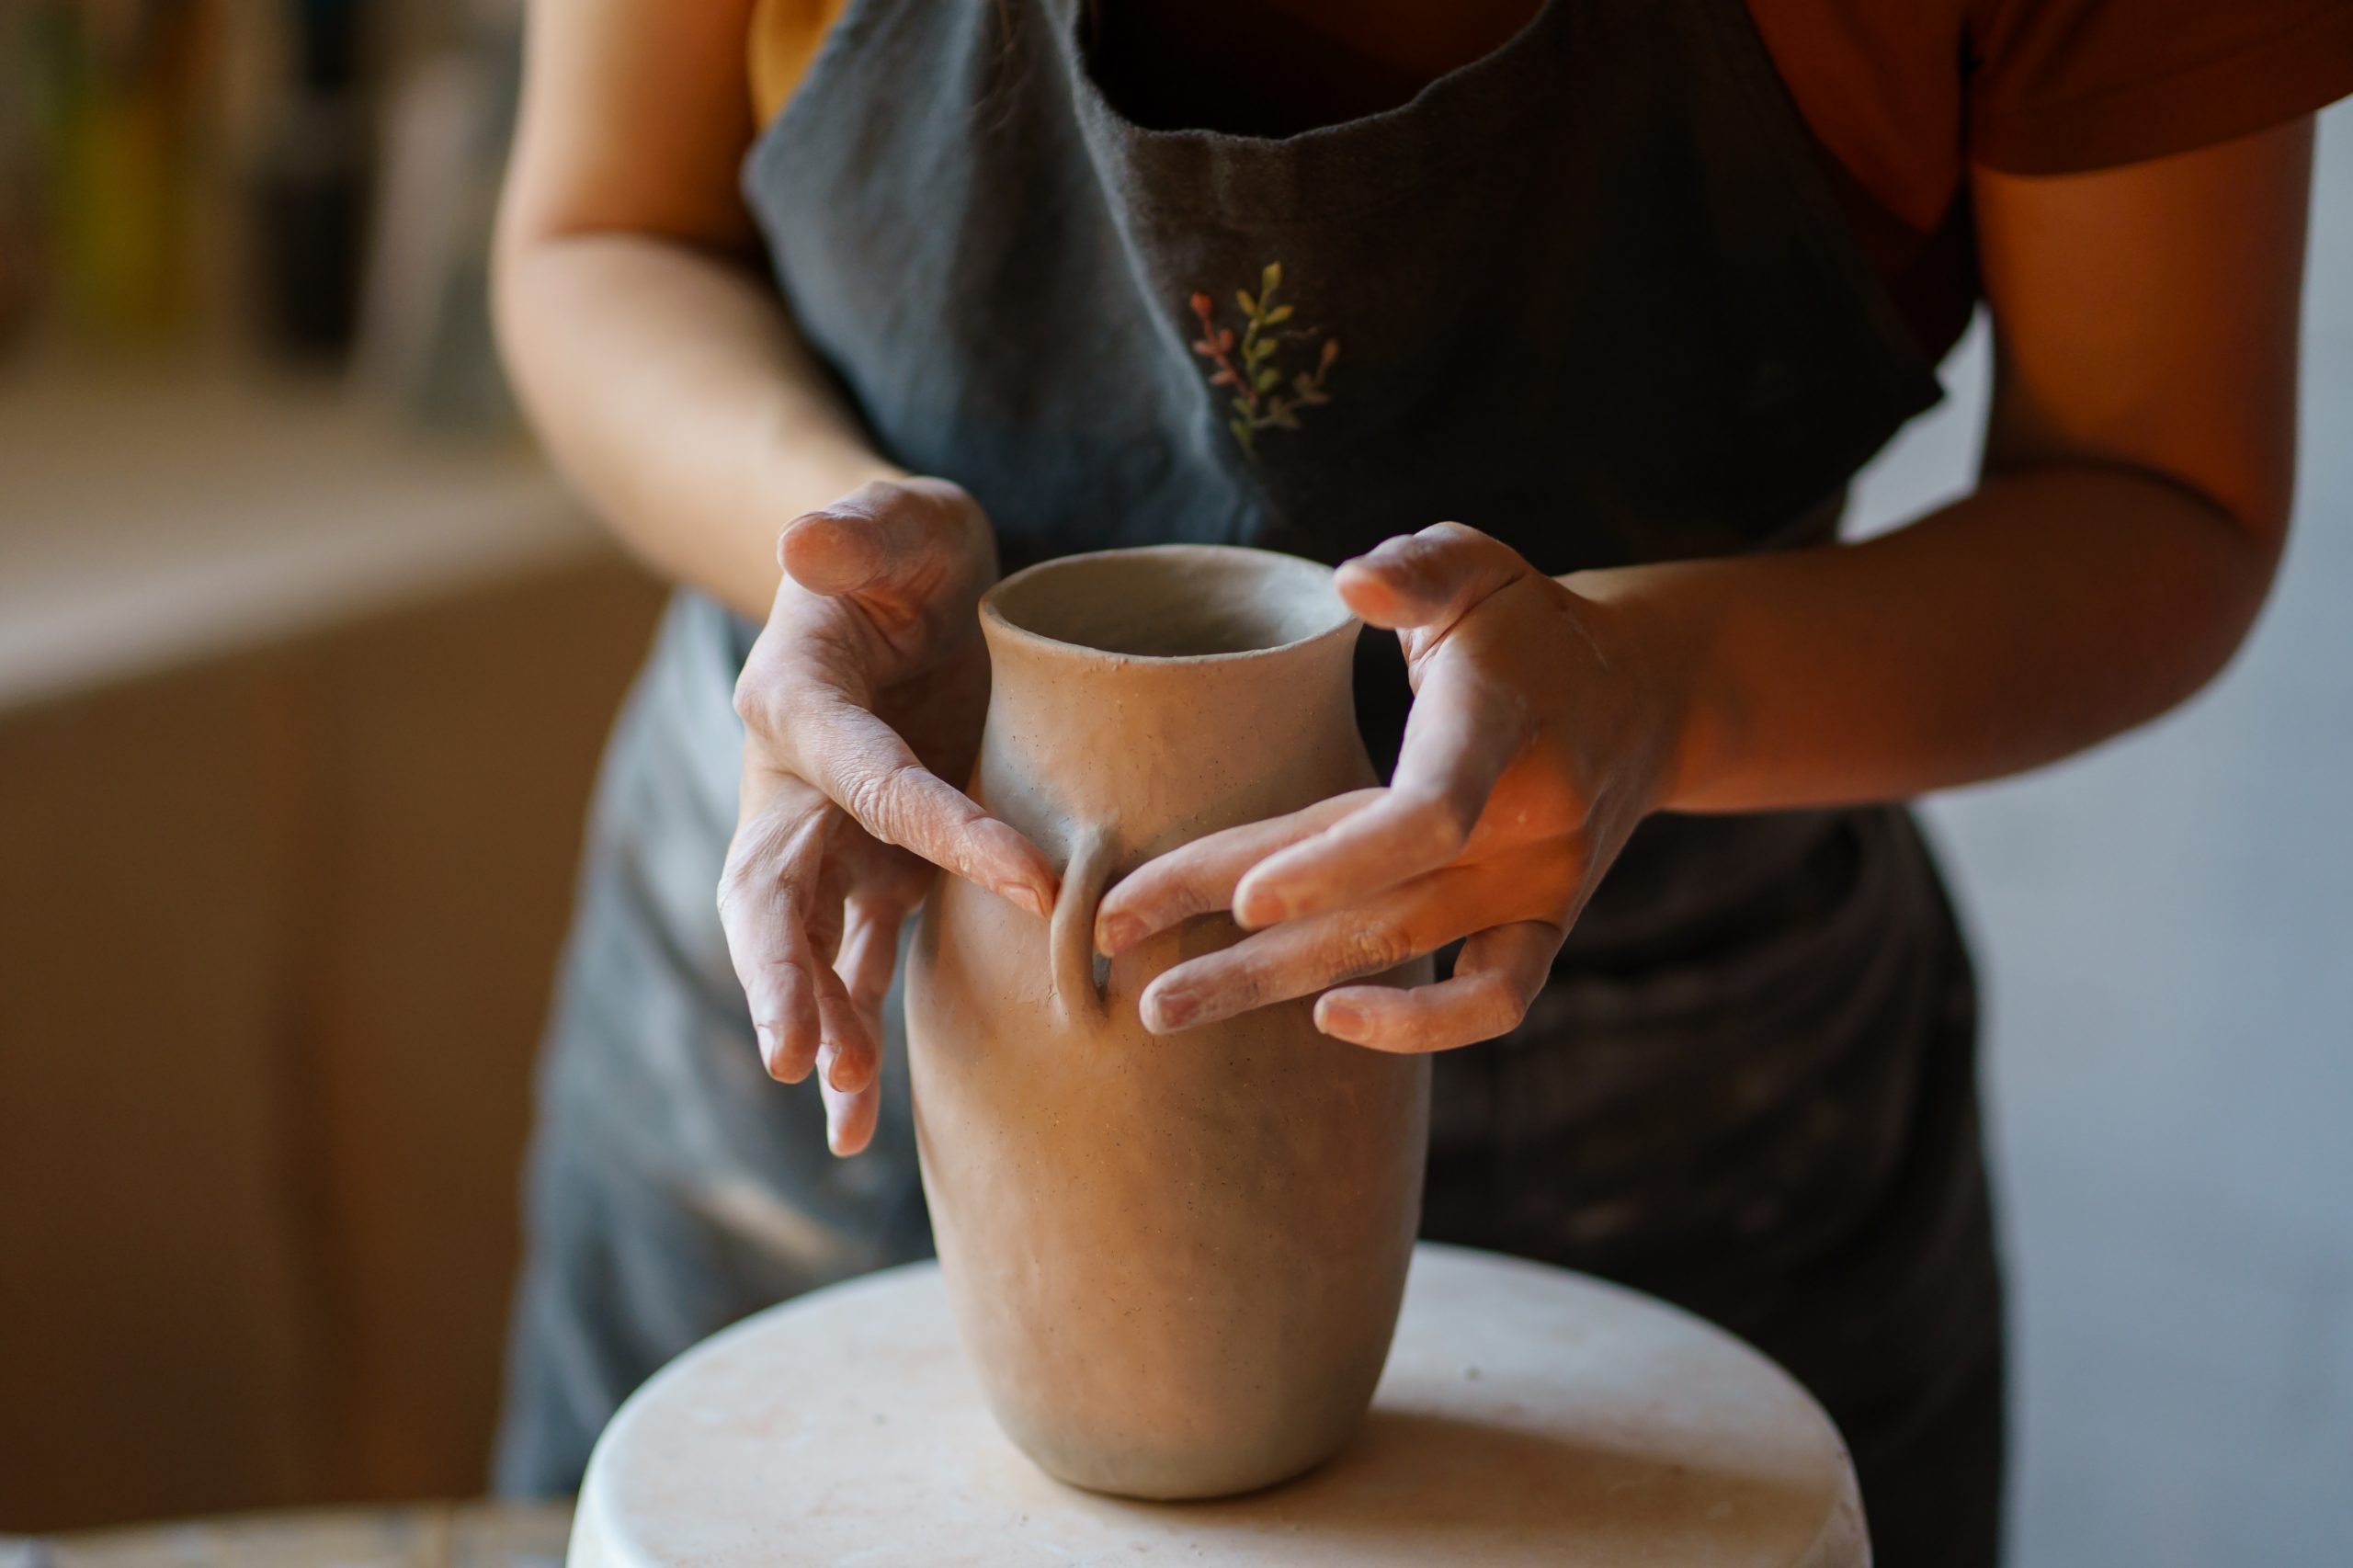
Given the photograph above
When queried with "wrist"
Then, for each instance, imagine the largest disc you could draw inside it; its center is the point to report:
(1655, 651)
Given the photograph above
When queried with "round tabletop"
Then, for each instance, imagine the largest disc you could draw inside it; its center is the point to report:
(1527, 1415)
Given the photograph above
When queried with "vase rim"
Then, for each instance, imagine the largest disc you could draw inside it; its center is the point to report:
(1300, 606)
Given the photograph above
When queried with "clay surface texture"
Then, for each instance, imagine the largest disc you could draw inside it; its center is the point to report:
(1176, 1262)
(1527, 1415)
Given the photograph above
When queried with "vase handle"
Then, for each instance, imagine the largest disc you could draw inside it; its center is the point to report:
(1071, 933)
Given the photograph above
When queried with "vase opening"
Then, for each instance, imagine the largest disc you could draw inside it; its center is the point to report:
(1170, 602)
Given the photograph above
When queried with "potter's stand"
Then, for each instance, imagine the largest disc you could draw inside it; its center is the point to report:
(1527, 1415)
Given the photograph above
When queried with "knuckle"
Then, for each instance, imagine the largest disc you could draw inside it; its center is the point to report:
(755, 890)
(1445, 825)
(751, 696)
(1499, 1010)
(877, 799)
(774, 969)
(1369, 949)
(1169, 902)
(1240, 986)
(763, 700)
(735, 888)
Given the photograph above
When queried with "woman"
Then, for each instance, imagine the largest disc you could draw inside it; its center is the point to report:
(1585, 315)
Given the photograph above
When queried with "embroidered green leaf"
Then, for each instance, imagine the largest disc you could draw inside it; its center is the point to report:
(1267, 393)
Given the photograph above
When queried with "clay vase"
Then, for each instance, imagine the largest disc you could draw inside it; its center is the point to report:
(1175, 1262)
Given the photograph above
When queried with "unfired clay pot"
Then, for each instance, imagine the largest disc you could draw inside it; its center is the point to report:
(1175, 1261)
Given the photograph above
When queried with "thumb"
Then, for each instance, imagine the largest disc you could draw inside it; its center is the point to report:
(1428, 579)
(891, 535)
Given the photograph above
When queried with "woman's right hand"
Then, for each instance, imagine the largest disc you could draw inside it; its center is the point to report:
(863, 696)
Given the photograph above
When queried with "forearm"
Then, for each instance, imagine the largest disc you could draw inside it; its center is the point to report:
(671, 389)
(2052, 607)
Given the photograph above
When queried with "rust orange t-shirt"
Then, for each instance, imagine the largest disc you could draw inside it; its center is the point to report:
(1903, 94)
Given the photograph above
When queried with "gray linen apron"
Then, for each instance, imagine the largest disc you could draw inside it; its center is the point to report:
(1591, 294)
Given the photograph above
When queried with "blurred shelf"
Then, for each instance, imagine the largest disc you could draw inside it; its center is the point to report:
(152, 515)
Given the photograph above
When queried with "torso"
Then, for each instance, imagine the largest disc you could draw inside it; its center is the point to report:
(1277, 68)
(1591, 294)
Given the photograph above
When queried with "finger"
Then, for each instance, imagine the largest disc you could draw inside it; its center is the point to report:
(1497, 978)
(1300, 957)
(1429, 579)
(850, 1057)
(785, 1012)
(772, 863)
(883, 538)
(1464, 730)
(822, 923)
(865, 767)
(869, 949)
(850, 1117)
(1199, 877)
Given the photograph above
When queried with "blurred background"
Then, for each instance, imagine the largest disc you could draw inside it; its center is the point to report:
(305, 662)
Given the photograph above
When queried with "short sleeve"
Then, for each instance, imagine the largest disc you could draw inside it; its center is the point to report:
(2060, 86)
(785, 35)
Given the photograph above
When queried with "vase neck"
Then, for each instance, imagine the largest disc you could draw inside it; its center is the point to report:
(1161, 747)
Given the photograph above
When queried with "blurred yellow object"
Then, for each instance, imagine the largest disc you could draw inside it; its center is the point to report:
(120, 90)
(121, 210)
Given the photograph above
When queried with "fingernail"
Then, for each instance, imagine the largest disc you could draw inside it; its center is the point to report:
(1116, 933)
(1023, 896)
(1339, 1018)
(767, 1049)
(828, 1056)
(1171, 1011)
(1262, 906)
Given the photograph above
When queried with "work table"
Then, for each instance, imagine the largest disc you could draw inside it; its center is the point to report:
(156, 512)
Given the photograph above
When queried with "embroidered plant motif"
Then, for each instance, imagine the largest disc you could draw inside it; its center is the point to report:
(1251, 363)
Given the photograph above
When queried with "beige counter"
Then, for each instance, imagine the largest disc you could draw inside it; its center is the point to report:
(298, 715)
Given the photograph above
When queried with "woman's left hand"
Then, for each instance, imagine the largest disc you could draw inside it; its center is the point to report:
(1538, 738)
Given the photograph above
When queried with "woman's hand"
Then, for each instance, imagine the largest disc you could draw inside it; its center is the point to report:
(1538, 739)
(867, 684)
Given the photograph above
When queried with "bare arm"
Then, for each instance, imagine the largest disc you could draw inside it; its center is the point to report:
(2131, 510)
(2131, 514)
(655, 362)
(667, 380)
